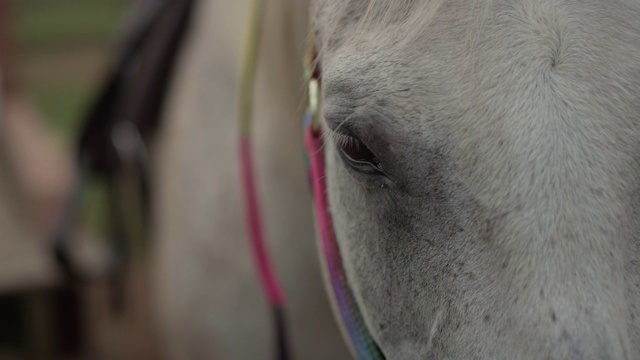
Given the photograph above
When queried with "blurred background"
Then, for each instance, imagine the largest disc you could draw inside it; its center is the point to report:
(54, 55)
(90, 178)
(62, 47)
(61, 51)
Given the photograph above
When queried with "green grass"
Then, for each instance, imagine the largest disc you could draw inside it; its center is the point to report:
(72, 33)
(64, 107)
(47, 29)
(66, 22)
(96, 202)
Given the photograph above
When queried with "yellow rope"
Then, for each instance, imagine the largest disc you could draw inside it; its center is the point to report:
(313, 84)
(248, 69)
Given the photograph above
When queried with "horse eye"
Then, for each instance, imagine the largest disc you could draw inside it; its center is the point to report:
(358, 156)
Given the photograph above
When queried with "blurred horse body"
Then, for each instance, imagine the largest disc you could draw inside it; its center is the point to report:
(208, 297)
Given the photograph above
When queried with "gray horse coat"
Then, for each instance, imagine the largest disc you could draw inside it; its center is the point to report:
(507, 223)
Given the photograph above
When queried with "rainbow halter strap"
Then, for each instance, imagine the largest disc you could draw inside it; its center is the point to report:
(354, 328)
(362, 344)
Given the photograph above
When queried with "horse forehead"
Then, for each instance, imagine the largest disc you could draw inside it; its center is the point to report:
(532, 79)
(384, 23)
(520, 38)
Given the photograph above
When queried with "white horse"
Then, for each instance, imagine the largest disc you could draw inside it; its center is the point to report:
(483, 164)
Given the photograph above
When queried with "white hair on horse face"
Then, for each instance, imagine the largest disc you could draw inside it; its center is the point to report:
(519, 118)
(368, 19)
(382, 12)
(366, 16)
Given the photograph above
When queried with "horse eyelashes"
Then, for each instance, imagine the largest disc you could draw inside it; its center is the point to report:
(357, 155)
(346, 141)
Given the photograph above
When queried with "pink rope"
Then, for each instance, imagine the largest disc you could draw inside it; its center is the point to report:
(268, 278)
(316, 158)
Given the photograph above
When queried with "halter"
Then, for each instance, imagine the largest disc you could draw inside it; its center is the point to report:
(262, 259)
(353, 326)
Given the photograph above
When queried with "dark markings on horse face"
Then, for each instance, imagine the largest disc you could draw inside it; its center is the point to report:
(382, 102)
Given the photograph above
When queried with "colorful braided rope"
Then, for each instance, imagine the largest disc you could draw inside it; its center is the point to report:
(361, 341)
